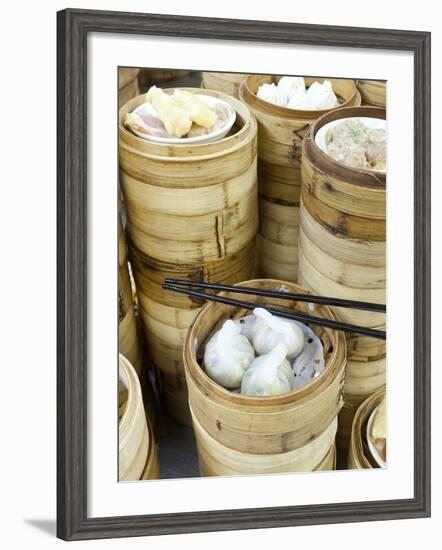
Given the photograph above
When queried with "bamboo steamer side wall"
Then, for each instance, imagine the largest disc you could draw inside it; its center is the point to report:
(359, 456)
(373, 92)
(136, 446)
(192, 214)
(280, 135)
(342, 253)
(240, 434)
(228, 83)
(127, 85)
(128, 342)
(218, 460)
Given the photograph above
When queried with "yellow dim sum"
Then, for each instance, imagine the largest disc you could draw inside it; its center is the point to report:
(198, 111)
(175, 118)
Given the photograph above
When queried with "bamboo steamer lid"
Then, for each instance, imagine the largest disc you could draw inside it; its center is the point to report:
(359, 455)
(267, 425)
(280, 135)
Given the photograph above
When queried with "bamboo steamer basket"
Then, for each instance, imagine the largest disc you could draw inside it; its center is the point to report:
(373, 92)
(228, 83)
(127, 85)
(359, 455)
(216, 459)
(133, 440)
(191, 203)
(280, 135)
(342, 253)
(266, 425)
(192, 213)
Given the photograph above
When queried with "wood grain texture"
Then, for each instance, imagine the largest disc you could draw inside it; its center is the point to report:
(73, 27)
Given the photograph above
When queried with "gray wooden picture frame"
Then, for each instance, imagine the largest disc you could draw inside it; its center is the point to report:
(73, 27)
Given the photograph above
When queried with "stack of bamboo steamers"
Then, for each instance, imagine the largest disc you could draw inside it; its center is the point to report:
(342, 253)
(280, 136)
(192, 214)
(138, 458)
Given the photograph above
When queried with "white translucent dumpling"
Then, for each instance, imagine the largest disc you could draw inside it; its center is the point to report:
(270, 93)
(322, 95)
(269, 374)
(290, 86)
(301, 102)
(228, 355)
(270, 330)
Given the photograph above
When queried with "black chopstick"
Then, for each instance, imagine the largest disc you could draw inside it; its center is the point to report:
(286, 314)
(323, 300)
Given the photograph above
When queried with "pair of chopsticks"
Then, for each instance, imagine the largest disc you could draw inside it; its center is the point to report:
(185, 287)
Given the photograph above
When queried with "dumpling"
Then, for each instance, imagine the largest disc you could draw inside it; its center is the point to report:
(145, 124)
(270, 330)
(322, 95)
(269, 374)
(302, 102)
(228, 355)
(175, 118)
(198, 111)
(270, 93)
(291, 86)
(376, 146)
